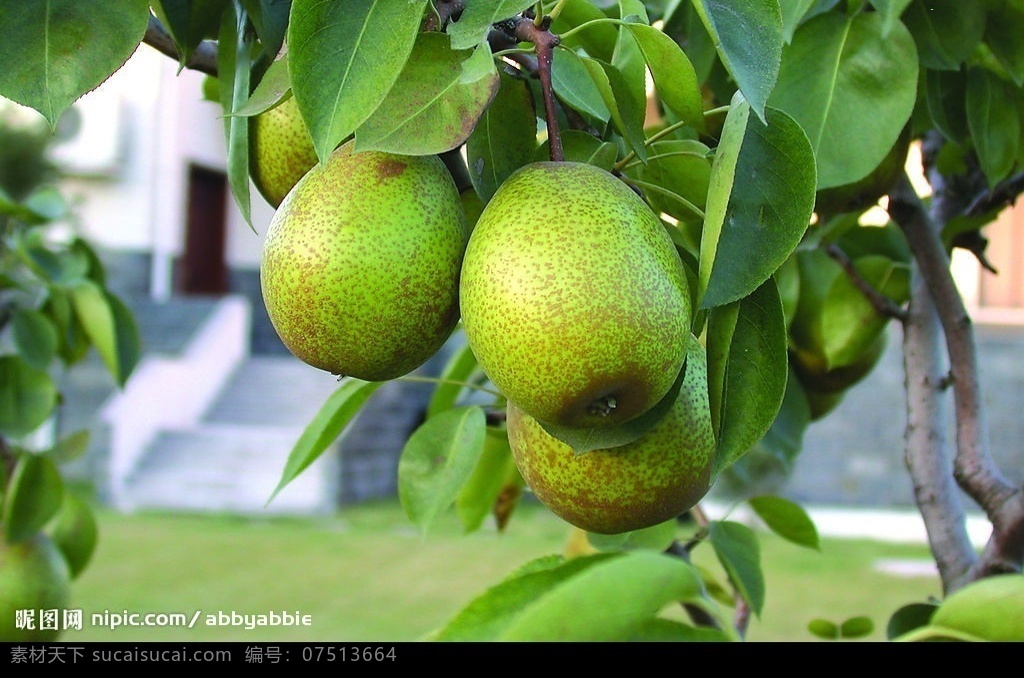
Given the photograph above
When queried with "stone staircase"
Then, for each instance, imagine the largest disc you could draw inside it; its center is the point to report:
(203, 425)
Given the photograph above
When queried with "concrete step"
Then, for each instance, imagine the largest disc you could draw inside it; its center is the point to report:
(221, 467)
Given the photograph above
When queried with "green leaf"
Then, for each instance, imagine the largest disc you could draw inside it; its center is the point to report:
(270, 18)
(436, 101)
(945, 96)
(573, 85)
(748, 37)
(109, 326)
(190, 22)
(627, 113)
(759, 204)
(851, 87)
(848, 321)
(459, 370)
(673, 74)
(369, 42)
(437, 460)
(27, 397)
(477, 18)
(824, 629)
(989, 609)
(75, 532)
(737, 549)
(891, 11)
(657, 538)
(994, 120)
(946, 31)
(1003, 29)
(598, 39)
(793, 12)
(35, 337)
(55, 51)
(503, 138)
(491, 476)
(909, 618)
(486, 616)
(334, 415)
(274, 88)
(234, 66)
(747, 371)
(609, 601)
(71, 447)
(786, 519)
(33, 496)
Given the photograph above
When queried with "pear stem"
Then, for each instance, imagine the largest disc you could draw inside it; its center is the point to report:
(528, 30)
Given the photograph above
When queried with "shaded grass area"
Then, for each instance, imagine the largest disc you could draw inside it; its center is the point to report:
(368, 575)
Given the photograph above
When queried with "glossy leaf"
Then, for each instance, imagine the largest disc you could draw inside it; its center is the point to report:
(573, 85)
(759, 203)
(597, 39)
(270, 19)
(748, 37)
(274, 87)
(909, 618)
(437, 460)
(851, 87)
(369, 42)
(330, 421)
(945, 96)
(1003, 29)
(75, 532)
(503, 138)
(891, 10)
(682, 168)
(494, 473)
(672, 73)
(989, 609)
(946, 31)
(27, 397)
(786, 519)
(190, 22)
(34, 495)
(234, 62)
(747, 371)
(627, 114)
(476, 20)
(459, 370)
(54, 52)
(435, 102)
(110, 327)
(994, 120)
(609, 601)
(849, 323)
(35, 337)
(737, 549)
(793, 12)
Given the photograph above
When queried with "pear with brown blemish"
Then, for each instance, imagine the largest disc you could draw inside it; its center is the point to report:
(655, 478)
(360, 267)
(574, 299)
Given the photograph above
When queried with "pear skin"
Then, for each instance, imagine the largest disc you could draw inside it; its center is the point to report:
(574, 299)
(360, 267)
(33, 576)
(280, 151)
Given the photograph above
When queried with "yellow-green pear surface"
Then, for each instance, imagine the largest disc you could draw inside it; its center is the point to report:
(280, 150)
(574, 299)
(360, 268)
(648, 481)
(34, 577)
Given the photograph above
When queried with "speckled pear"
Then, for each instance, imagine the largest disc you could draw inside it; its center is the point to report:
(650, 480)
(280, 150)
(360, 268)
(33, 576)
(574, 299)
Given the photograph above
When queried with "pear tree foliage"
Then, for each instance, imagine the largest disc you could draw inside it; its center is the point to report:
(767, 135)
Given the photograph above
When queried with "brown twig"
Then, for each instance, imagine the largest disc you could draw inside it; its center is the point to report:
(525, 29)
(882, 304)
(203, 59)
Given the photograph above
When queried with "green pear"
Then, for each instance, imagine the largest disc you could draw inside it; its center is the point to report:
(360, 267)
(574, 299)
(637, 485)
(280, 150)
(34, 578)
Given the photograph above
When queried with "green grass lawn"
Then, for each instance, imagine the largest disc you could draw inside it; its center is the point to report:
(367, 575)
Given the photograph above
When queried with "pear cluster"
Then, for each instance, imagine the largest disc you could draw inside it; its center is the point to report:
(577, 306)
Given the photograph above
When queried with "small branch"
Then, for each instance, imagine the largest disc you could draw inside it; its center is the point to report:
(203, 59)
(883, 305)
(444, 11)
(1001, 196)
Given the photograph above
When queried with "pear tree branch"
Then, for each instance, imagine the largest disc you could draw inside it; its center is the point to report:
(525, 29)
(203, 59)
